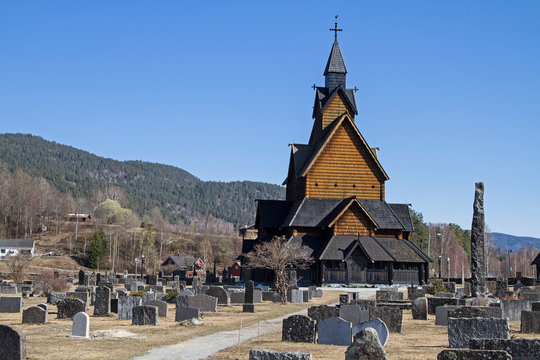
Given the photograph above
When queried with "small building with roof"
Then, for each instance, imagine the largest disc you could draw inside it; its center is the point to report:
(13, 247)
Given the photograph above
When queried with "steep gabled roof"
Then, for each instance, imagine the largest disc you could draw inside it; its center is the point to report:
(347, 203)
(335, 63)
(272, 213)
(300, 153)
(536, 260)
(342, 246)
(403, 214)
(313, 212)
(183, 262)
(332, 130)
(382, 214)
(313, 244)
(400, 250)
(323, 96)
(17, 243)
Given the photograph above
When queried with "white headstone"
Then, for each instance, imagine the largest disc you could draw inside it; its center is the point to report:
(81, 325)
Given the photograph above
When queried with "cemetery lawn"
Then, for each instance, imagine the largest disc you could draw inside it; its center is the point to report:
(53, 341)
(419, 340)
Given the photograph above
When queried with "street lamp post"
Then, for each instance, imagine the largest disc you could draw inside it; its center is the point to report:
(448, 261)
(509, 263)
(440, 268)
(142, 266)
(136, 261)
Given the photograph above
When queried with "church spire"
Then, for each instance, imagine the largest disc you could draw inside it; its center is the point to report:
(335, 71)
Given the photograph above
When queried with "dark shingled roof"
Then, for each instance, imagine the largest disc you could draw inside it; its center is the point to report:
(419, 251)
(312, 243)
(341, 246)
(17, 243)
(183, 262)
(335, 63)
(323, 95)
(400, 250)
(403, 214)
(301, 154)
(272, 213)
(536, 260)
(314, 213)
(382, 214)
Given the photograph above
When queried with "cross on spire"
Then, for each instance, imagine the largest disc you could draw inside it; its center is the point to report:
(335, 29)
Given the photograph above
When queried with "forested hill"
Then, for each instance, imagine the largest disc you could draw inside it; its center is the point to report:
(179, 194)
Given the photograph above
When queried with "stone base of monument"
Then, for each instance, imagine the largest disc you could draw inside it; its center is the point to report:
(248, 308)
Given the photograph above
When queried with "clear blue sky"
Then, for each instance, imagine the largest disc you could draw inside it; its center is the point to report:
(449, 90)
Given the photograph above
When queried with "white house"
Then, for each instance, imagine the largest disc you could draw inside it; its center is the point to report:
(12, 247)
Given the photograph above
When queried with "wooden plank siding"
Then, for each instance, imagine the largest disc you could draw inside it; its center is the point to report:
(353, 222)
(345, 168)
(334, 109)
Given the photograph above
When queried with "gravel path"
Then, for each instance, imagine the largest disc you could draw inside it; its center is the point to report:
(202, 347)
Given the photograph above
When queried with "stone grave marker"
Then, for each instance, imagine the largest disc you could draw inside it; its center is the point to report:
(519, 349)
(68, 307)
(434, 302)
(186, 293)
(298, 328)
(388, 295)
(353, 314)
(126, 305)
(377, 324)
(501, 288)
(419, 309)
(335, 331)
(529, 294)
(161, 306)
(473, 355)
(535, 306)
(257, 296)
(512, 308)
(81, 325)
(10, 304)
(102, 304)
(450, 287)
(344, 298)
(114, 306)
(144, 315)
(441, 315)
(295, 296)
(204, 303)
(445, 295)
(12, 343)
(414, 293)
(237, 297)
(306, 298)
(268, 295)
(186, 313)
(34, 315)
(530, 322)
(248, 297)
(277, 355)
(461, 330)
(43, 306)
(323, 312)
(391, 316)
(478, 258)
(366, 346)
(276, 298)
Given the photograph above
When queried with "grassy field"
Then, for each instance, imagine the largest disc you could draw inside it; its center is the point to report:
(109, 337)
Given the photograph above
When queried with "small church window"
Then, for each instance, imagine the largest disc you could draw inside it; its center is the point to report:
(316, 184)
(335, 184)
(353, 185)
(373, 186)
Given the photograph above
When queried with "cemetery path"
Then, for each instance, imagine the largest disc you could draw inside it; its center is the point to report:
(204, 346)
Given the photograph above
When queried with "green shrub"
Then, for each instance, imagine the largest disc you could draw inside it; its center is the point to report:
(138, 293)
(435, 286)
(171, 296)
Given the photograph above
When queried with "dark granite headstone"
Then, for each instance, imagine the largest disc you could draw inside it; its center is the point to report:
(353, 314)
(219, 293)
(434, 303)
(102, 304)
(114, 306)
(34, 315)
(298, 328)
(186, 313)
(68, 307)
(203, 302)
(144, 315)
(161, 306)
(323, 312)
(388, 295)
(12, 343)
(126, 305)
(530, 322)
(473, 355)
(419, 309)
(519, 349)
(460, 331)
(10, 304)
(391, 316)
(277, 355)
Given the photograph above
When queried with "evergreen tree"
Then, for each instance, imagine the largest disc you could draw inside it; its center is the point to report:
(98, 248)
(420, 234)
(149, 247)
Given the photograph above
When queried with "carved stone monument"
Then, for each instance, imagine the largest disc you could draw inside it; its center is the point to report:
(478, 261)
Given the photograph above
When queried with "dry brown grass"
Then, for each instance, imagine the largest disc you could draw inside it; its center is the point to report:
(418, 340)
(53, 341)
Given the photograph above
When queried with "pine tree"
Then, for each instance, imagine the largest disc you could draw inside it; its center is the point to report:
(98, 248)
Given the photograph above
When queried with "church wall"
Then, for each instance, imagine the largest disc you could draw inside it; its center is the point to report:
(344, 169)
(353, 222)
(334, 109)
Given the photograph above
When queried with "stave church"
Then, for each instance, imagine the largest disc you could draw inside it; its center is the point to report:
(335, 200)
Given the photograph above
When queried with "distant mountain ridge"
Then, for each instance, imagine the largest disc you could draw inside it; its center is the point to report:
(177, 193)
(512, 242)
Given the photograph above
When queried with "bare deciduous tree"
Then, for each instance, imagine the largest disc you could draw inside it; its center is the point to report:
(277, 255)
(18, 267)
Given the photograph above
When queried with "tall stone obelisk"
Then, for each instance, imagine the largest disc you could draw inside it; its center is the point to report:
(478, 257)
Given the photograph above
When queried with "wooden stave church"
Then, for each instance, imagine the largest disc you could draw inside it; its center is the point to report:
(335, 201)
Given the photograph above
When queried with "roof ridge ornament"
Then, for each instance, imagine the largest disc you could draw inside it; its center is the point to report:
(335, 29)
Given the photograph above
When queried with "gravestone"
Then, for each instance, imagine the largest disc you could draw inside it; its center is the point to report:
(501, 288)
(512, 308)
(248, 299)
(530, 322)
(144, 315)
(391, 316)
(353, 314)
(12, 343)
(535, 306)
(519, 349)
(317, 293)
(152, 279)
(323, 312)
(445, 295)
(257, 295)
(414, 293)
(202, 302)
(378, 325)
(68, 307)
(82, 278)
(434, 303)
(126, 305)
(186, 293)
(419, 309)
(298, 328)
(478, 260)
(114, 306)
(81, 325)
(441, 315)
(276, 298)
(277, 355)
(43, 306)
(295, 296)
(366, 346)
(10, 304)
(344, 298)
(102, 304)
(186, 313)
(237, 297)
(450, 287)
(460, 331)
(475, 311)
(161, 306)
(98, 279)
(388, 295)
(529, 294)
(306, 295)
(474, 355)
(34, 315)
(335, 331)
(467, 289)
(267, 295)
